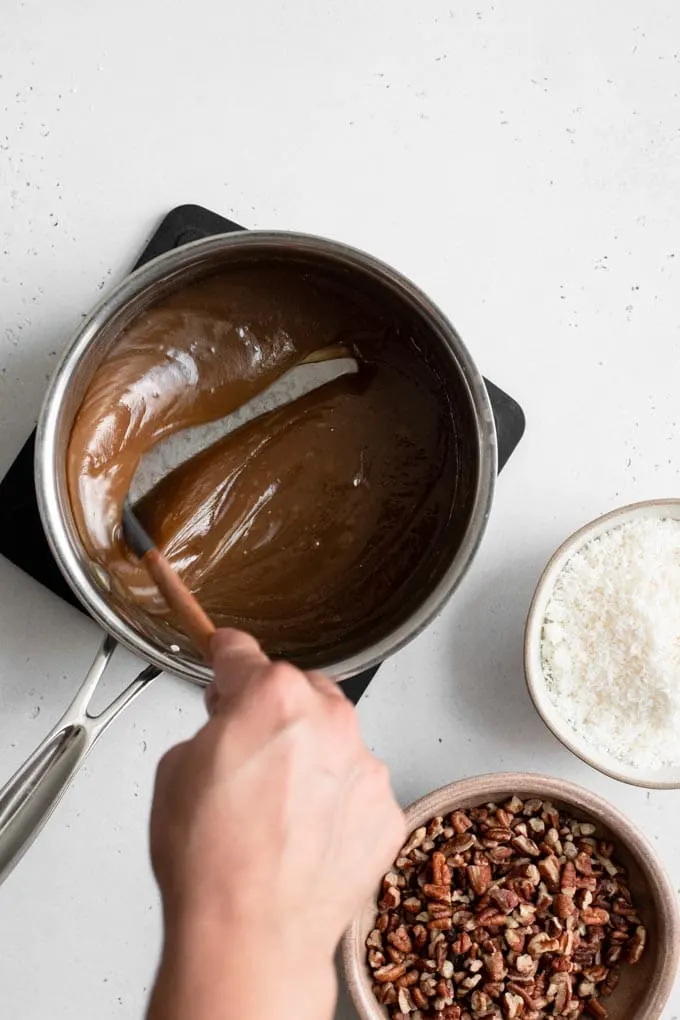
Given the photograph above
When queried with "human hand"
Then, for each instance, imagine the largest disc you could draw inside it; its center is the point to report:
(269, 830)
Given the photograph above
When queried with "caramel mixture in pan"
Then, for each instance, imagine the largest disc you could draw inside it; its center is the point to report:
(304, 526)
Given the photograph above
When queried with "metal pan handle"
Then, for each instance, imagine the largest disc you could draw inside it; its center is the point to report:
(33, 792)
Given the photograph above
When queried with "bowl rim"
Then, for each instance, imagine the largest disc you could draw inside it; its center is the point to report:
(603, 761)
(526, 784)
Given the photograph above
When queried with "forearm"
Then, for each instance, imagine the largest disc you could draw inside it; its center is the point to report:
(208, 973)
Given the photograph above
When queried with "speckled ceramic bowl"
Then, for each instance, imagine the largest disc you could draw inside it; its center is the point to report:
(644, 988)
(665, 778)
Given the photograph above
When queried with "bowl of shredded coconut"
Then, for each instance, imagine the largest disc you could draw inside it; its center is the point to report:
(602, 644)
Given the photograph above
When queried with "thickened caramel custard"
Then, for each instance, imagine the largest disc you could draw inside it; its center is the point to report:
(312, 524)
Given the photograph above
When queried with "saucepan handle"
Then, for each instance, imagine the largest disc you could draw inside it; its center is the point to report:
(33, 792)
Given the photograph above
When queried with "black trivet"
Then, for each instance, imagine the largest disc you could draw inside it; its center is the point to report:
(22, 539)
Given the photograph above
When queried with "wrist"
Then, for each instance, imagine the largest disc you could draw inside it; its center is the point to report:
(212, 970)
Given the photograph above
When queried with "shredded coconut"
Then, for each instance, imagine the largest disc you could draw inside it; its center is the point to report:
(611, 642)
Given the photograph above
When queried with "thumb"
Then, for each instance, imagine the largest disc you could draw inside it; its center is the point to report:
(237, 661)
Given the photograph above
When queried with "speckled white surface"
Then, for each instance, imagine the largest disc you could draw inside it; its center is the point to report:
(520, 162)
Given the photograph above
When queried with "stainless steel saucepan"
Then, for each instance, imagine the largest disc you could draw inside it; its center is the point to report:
(31, 795)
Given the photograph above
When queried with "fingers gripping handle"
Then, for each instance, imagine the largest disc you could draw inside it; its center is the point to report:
(33, 792)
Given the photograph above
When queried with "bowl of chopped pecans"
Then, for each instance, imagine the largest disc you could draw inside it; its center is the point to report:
(516, 897)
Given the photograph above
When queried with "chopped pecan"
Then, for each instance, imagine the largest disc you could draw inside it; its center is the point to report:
(462, 945)
(428, 985)
(441, 873)
(495, 965)
(515, 940)
(564, 905)
(412, 905)
(411, 977)
(568, 878)
(439, 893)
(550, 871)
(419, 1000)
(391, 898)
(499, 854)
(560, 991)
(439, 924)
(499, 834)
(385, 994)
(613, 955)
(526, 965)
(416, 839)
(595, 974)
(504, 817)
(400, 939)
(525, 845)
(461, 918)
(481, 1003)
(405, 1001)
(517, 989)
(505, 899)
(391, 972)
(596, 1009)
(513, 1006)
(610, 982)
(494, 989)
(445, 990)
(595, 915)
(491, 918)
(636, 946)
(479, 877)
(514, 805)
(460, 822)
(435, 827)
(537, 826)
(543, 899)
(551, 815)
(526, 913)
(542, 943)
(552, 837)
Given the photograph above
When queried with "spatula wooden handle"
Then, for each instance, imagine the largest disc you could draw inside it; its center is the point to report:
(192, 616)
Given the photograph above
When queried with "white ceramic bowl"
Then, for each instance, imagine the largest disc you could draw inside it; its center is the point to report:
(665, 778)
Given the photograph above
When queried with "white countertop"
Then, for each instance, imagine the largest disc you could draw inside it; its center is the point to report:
(519, 162)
